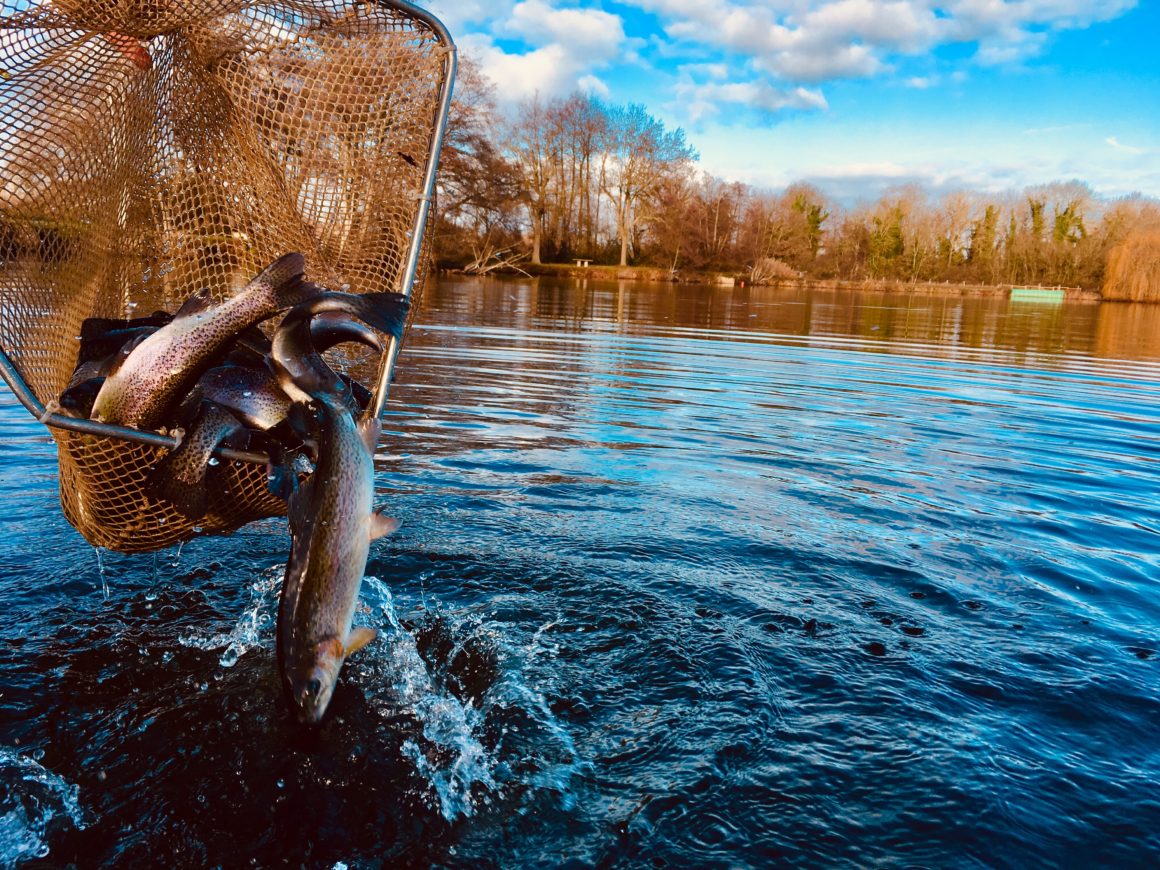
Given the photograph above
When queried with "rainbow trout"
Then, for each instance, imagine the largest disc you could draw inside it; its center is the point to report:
(226, 397)
(156, 373)
(332, 516)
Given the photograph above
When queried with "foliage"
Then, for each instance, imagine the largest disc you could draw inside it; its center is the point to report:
(577, 178)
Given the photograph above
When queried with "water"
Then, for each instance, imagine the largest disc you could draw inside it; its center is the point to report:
(687, 577)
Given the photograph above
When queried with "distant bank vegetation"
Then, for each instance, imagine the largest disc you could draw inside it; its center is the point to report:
(576, 178)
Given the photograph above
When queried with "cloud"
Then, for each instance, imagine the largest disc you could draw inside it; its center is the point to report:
(563, 46)
(813, 41)
(590, 33)
(705, 100)
(764, 56)
(593, 85)
(1127, 149)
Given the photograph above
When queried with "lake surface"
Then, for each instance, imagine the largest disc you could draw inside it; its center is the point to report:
(687, 576)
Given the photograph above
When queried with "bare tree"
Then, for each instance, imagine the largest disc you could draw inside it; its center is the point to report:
(640, 153)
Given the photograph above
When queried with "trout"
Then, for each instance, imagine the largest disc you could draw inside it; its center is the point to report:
(157, 373)
(332, 518)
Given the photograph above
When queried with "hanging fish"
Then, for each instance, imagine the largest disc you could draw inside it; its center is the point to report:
(332, 520)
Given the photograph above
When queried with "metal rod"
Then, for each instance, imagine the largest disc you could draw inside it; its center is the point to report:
(104, 430)
(411, 268)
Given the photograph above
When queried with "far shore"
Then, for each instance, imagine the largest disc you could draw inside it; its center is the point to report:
(653, 274)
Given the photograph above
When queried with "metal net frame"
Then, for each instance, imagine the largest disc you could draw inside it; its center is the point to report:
(152, 148)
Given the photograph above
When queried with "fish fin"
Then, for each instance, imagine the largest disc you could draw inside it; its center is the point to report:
(180, 478)
(386, 312)
(190, 498)
(382, 525)
(123, 354)
(254, 340)
(298, 507)
(195, 304)
(368, 430)
(357, 639)
(285, 278)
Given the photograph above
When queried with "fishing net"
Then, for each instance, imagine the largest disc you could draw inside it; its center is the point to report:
(150, 148)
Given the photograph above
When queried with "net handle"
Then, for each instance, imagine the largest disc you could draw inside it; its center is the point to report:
(407, 282)
(20, 389)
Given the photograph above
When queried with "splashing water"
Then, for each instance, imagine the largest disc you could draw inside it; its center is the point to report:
(451, 757)
(31, 800)
(100, 551)
(463, 750)
(252, 627)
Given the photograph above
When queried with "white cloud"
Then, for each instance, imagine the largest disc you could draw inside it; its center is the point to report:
(1127, 149)
(813, 41)
(565, 46)
(710, 99)
(771, 55)
(593, 85)
(592, 33)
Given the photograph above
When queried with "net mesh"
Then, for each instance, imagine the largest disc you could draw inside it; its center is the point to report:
(150, 148)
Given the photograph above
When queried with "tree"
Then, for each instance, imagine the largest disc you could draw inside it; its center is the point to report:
(478, 192)
(533, 142)
(640, 153)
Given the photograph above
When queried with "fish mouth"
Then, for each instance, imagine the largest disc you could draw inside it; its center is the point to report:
(313, 696)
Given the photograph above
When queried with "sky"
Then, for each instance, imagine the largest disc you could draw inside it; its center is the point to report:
(855, 96)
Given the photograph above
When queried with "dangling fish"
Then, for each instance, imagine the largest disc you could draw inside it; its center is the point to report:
(332, 516)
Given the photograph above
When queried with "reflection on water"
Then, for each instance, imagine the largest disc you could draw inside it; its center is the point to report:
(941, 324)
(687, 577)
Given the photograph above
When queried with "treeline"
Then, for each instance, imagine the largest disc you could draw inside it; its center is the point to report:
(576, 177)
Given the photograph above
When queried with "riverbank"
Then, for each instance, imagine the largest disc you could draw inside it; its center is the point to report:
(653, 275)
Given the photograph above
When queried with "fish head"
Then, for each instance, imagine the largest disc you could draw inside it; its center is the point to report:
(312, 680)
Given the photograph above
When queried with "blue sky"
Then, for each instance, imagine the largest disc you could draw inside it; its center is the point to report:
(855, 95)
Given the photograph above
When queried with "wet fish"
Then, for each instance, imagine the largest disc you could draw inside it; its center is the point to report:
(160, 370)
(332, 520)
(224, 399)
(180, 477)
(254, 395)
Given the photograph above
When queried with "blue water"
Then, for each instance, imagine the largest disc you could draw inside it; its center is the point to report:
(687, 577)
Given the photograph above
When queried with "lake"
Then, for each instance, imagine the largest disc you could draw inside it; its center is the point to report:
(687, 576)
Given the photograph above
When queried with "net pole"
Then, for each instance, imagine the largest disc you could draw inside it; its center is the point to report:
(407, 283)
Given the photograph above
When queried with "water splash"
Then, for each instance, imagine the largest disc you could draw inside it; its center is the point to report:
(100, 551)
(253, 627)
(31, 800)
(462, 750)
(449, 756)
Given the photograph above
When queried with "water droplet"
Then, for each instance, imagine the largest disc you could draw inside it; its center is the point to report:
(213, 460)
(247, 393)
(280, 784)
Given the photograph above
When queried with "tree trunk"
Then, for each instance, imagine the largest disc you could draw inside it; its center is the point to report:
(537, 232)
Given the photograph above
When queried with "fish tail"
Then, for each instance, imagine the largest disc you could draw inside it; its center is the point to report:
(386, 312)
(285, 281)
